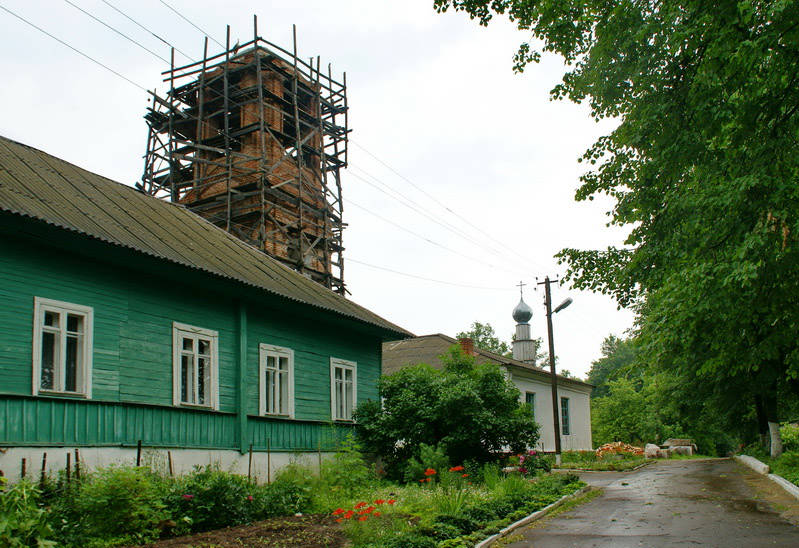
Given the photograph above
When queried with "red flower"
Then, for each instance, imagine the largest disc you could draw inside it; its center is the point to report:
(349, 514)
(422, 480)
(339, 520)
(362, 518)
(379, 501)
(464, 475)
(456, 469)
(376, 514)
(390, 501)
(429, 472)
(188, 497)
(249, 497)
(360, 505)
(338, 511)
(428, 480)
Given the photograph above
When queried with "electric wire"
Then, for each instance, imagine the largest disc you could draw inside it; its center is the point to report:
(76, 50)
(131, 19)
(123, 35)
(429, 279)
(192, 24)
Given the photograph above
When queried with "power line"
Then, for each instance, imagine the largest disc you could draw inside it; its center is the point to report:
(123, 35)
(426, 239)
(417, 208)
(192, 24)
(76, 50)
(428, 279)
(437, 201)
(129, 18)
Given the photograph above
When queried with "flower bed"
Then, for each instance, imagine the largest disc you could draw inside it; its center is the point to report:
(604, 461)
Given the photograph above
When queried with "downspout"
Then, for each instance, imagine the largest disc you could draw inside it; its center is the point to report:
(242, 378)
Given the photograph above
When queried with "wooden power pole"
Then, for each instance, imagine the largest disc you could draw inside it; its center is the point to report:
(554, 378)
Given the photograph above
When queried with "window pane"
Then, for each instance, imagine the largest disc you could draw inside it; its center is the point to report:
(71, 364)
(203, 380)
(74, 323)
(348, 400)
(270, 362)
(348, 375)
(270, 389)
(185, 377)
(49, 353)
(337, 373)
(204, 346)
(284, 393)
(284, 363)
(188, 344)
(51, 319)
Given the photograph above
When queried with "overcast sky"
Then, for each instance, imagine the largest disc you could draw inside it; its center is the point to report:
(433, 102)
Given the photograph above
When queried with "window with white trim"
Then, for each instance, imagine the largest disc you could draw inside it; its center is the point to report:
(62, 348)
(276, 365)
(343, 388)
(194, 366)
(565, 425)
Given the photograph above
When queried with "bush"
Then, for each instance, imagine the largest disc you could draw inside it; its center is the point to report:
(430, 457)
(120, 505)
(470, 409)
(209, 498)
(347, 472)
(287, 495)
(22, 521)
(790, 436)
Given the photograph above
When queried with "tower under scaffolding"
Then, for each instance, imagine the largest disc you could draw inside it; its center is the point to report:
(254, 140)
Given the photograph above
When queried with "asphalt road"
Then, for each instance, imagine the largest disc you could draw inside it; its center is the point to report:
(702, 503)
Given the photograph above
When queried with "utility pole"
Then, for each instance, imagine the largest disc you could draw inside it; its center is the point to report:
(554, 379)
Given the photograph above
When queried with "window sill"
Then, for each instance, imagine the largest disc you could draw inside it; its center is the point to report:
(67, 395)
(196, 406)
(275, 416)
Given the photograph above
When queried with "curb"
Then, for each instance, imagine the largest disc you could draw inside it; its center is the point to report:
(752, 463)
(532, 517)
(763, 469)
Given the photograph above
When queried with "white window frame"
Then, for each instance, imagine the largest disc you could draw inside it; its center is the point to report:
(84, 372)
(346, 366)
(180, 330)
(264, 351)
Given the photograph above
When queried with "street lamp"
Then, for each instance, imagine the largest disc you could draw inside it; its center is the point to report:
(554, 377)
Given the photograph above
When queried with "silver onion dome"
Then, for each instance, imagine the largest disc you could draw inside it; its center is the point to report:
(522, 313)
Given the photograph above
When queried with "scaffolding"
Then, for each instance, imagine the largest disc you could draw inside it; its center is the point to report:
(254, 139)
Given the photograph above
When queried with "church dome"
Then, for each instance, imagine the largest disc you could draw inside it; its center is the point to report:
(522, 313)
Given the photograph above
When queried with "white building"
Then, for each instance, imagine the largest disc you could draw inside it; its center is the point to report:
(533, 382)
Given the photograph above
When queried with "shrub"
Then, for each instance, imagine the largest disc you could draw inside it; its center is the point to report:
(790, 436)
(287, 495)
(430, 458)
(120, 505)
(22, 521)
(463, 523)
(209, 498)
(347, 471)
(470, 409)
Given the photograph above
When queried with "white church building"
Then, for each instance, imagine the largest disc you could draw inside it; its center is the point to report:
(532, 381)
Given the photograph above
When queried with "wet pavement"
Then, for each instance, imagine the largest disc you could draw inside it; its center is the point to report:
(702, 503)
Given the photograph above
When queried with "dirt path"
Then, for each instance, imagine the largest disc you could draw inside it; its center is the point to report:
(703, 503)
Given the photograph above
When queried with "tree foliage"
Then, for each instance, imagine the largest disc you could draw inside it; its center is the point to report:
(485, 338)
(703, 167)
(469, 409)
(618, 359)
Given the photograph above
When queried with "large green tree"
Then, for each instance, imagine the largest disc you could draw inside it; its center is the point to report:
(618, 360)
(485, 337)
(703, 167)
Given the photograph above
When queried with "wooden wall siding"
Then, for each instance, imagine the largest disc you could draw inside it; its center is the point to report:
(132, 360)
(51, 421)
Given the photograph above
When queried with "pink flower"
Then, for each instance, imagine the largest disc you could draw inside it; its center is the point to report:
(188, 497)
(249, 497)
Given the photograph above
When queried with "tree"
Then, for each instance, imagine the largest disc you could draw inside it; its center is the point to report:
(470, 409)
(703, 167)
(485, 338)
(618, 359)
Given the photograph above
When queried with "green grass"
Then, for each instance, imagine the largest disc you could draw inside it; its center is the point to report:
(587, 460)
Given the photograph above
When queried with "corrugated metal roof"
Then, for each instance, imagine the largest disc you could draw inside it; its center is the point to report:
(35, 184)
(428, 348)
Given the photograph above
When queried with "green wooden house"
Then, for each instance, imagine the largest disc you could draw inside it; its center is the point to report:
(125, 320)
